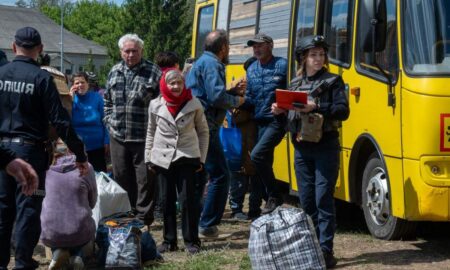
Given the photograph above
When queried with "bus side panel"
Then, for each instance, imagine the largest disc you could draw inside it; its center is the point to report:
(424, 202)
(342, 189)
(396, 196)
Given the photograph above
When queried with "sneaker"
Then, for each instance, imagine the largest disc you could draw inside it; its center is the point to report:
(239, 216)
(271, 204)
(330, 260)
(208, 232)
(59, 258)
(76, 262)
(166, 247)
(193, 249)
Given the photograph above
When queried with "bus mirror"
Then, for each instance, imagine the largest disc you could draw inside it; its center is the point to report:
(373, 26)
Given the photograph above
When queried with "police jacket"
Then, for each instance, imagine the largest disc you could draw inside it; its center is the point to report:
(262, 80)
(29, 101)
(328, 90)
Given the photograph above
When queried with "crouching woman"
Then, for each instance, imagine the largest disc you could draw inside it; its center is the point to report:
(176, 147)
(66, 217)
(315, 136)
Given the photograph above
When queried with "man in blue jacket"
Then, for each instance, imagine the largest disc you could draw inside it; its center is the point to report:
(207, 81)
(263, 77)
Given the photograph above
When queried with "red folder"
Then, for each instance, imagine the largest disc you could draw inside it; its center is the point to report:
(286, 98)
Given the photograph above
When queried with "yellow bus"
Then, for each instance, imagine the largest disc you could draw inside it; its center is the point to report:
(395, 59)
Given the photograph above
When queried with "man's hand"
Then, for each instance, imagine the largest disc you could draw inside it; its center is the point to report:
(25, 175)
(241, 101)
(83, 167)
(277, 110)
(240, 87)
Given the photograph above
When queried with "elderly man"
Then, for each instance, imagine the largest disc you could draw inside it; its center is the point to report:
(28, 102)
(207, 81)
(131, 85)
(263, 77)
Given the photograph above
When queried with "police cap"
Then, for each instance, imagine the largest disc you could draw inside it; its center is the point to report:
(27, 37)
(308, 42)
(259, 38)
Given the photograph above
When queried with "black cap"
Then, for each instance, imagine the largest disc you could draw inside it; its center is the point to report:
(259, 38)
(308, 42)
(27, 37)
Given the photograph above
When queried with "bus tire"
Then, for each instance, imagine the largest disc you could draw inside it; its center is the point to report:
(376, 204)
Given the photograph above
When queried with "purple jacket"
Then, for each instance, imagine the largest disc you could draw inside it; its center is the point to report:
(66, 216)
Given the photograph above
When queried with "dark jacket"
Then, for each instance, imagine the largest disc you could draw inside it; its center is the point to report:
(332, 101)
(3, 59)
(29, 101)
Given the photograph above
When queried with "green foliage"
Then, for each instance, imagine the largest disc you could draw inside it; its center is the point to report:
(164, 25)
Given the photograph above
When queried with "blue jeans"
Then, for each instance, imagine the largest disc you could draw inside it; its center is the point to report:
(238, 188)
(269, 136)
(316, 169)
(24, 210)
(219, 181)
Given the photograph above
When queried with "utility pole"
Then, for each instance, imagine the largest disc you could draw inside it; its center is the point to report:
(62, 37)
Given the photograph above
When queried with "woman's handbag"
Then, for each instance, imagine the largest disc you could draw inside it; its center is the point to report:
(231, 138)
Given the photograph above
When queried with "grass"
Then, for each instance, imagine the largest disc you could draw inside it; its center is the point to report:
(208, 260)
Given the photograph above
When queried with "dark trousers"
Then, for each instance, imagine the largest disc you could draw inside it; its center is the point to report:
(269, 136)
(97, 159)
(180, 177)
(316, 169)
(131, 173)
(24, 210)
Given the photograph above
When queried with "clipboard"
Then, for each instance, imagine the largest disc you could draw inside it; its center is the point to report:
(285, 99)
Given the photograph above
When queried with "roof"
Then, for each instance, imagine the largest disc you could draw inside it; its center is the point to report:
(13, 18)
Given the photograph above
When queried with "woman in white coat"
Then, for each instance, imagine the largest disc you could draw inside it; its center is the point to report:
(176, 147)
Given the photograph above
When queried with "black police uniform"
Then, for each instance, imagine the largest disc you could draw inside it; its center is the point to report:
(28, 102)
(6, 156)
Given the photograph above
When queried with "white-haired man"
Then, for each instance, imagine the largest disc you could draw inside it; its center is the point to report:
(131, 85)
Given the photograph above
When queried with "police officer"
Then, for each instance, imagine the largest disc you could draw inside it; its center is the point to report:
(28, 102)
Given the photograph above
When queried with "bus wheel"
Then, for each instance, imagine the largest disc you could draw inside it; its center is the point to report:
(376, 203)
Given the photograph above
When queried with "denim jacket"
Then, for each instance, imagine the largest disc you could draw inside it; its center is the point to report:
(262, 80)
(206, 79)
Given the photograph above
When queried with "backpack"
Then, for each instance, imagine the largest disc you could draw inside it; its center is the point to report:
(284, 239)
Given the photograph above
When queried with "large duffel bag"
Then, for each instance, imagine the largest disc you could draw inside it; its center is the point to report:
(284, 239)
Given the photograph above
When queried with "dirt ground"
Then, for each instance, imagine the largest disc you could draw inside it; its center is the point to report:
(354, 247)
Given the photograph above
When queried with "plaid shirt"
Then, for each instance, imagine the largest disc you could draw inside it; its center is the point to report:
(127, 96)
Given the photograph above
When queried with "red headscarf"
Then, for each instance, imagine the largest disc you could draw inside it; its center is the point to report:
(174, 103)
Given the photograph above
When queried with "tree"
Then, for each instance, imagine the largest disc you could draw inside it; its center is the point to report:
(164, 25)
(21, 3)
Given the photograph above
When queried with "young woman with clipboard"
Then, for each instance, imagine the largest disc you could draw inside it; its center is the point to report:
(315, 135)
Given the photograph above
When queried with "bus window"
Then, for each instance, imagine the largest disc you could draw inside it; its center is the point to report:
(274, 19)
(427, 36)
(242, 27)
(306, 11)
(387, 59)
(205, 25)
(338, 30)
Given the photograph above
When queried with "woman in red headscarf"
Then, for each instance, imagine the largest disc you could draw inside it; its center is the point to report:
(176, 147)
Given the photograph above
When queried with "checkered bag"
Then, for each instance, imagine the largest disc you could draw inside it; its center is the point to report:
(284, 239)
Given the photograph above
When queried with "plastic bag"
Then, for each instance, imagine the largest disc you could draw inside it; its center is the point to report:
(285, 239)
(124, 248)
(231, 138)
(111, 198)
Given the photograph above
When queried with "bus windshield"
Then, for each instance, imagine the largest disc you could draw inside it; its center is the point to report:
(426, 25)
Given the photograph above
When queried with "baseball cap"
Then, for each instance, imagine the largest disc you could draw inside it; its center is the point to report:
(259, 38)
(27, 37)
